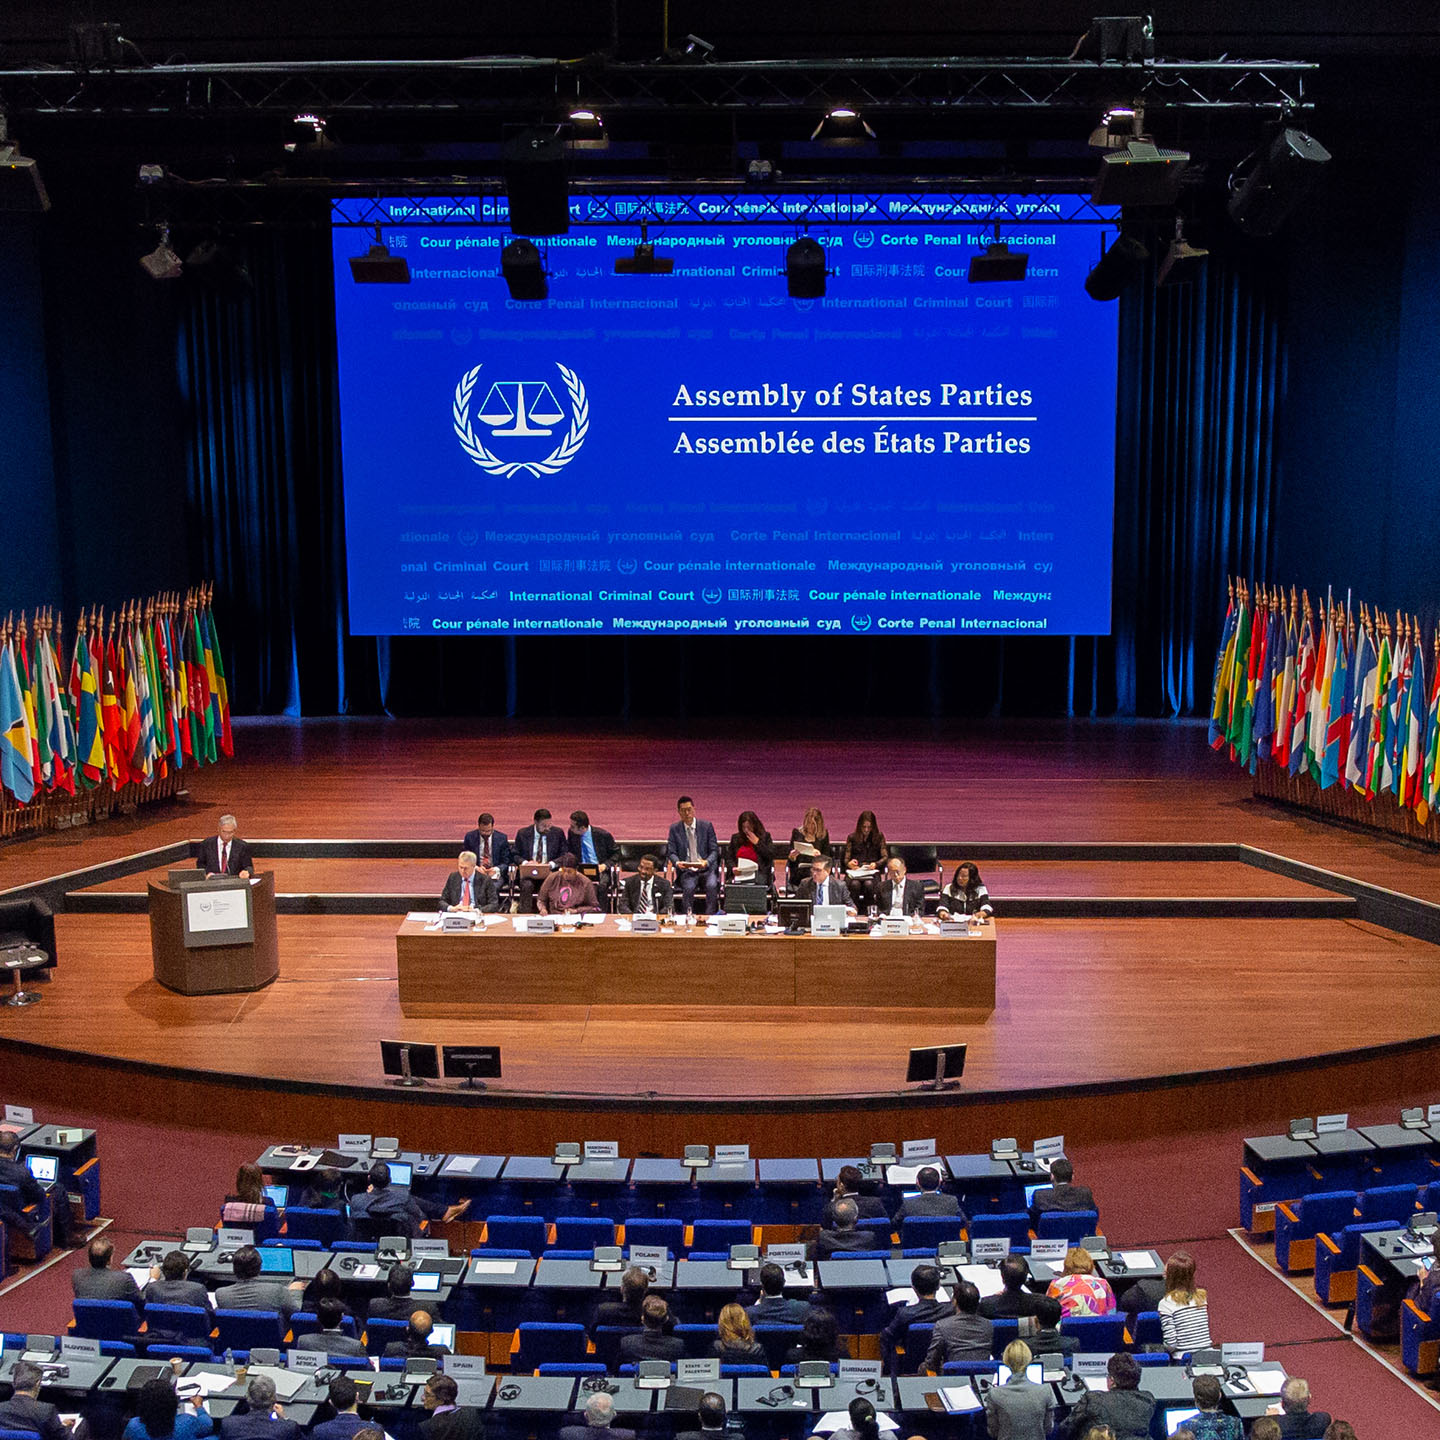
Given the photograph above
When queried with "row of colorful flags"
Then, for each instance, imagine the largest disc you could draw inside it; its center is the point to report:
(1342, 699)
(145, 695)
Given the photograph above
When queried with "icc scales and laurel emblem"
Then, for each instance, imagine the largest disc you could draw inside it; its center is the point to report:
(519, 409)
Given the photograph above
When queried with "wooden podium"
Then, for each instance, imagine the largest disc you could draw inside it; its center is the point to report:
(213, 969)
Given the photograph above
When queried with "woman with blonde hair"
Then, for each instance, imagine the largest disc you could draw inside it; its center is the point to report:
(811, 833)
(1079, 1289)
(1020, 1409)
(1184, 1310)
(735, 1341)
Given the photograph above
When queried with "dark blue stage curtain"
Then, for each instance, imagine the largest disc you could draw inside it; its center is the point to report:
(1201, 374)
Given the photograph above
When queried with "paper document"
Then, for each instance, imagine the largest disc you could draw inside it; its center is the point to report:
(1266, 1382)
(865, 872)
(140, 1274)
(366, 1271)
(985, 1278)
(494, 1267)
(904, 1295)
(205, 1383)
(834, 1420)
(1097, 1382)
(907, 1174)
(425, 917)
(960, 1399)
(287, 1383)
(461, 1165)
(1136, 1259)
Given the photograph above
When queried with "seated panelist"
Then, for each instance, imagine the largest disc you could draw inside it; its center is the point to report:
(593, 848)
(647, 892)
(468, 889)
(751, 843)
(567, 891)
(539, 843)
(965, 894)
(694, 853)
(493, 855)
(900, 895)
(824, 887)
(225, 853)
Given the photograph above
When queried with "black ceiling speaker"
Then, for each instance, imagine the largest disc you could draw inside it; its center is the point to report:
(533, 164)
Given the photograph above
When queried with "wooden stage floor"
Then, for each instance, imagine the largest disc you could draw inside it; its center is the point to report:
(1084, 1005)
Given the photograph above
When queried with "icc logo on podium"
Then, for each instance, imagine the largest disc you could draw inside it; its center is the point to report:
(520, 409)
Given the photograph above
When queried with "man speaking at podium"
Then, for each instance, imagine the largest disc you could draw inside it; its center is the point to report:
(225, 853)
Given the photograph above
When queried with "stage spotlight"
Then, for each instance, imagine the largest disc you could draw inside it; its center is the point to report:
(805, 270)
(588, 124)
(21, 187)
(377, 266)
(524, 270)
(998, 263)
(761, 172)
(692, 50)
(1117, 269)
(311, 132)
(644, 261)
(1118, 126)
(1117, 37)
(162, 263)
(1140, 174)
(1260, 201)
(842, 123)
(1183, 261)
(533, 164)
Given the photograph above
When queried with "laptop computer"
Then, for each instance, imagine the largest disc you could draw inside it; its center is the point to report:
(276, 1260)
(401, 1173)
(442, 1333)
(278, 1195)
(425, 1282)
(827, 919)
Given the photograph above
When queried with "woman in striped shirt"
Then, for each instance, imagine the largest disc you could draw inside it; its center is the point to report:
(1184, 1315)
(966, 893)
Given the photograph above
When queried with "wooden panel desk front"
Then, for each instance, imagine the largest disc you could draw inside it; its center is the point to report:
(470, 973)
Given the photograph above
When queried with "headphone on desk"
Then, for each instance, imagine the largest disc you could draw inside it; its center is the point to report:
(779, 1395)
(349, 1263)
(598, 1385)
(508, 1392)
(868, 1386)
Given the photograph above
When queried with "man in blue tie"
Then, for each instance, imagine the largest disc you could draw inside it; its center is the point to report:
(469, 889)
(597, 852)
(693, 853)
(823, 888)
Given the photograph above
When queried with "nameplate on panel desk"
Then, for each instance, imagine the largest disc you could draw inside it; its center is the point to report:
(645, 924)
(1051, 1251)
(538, 925)
(457, 1365)
(310, 1360)
(1050, 1148)
(430, 1249)
(1329, 1124)
(989, 1247)
(354, 1144)
(74, 1348)
(1090, 1364)
(855, 1370)
(648, 1255)
(227, 1239)
(785, 1254)
(602, 1149)
(895, 925)
(917, 1150)
(731, 1154)
(19, 1115)
(1237, 1352)
(697, 1372)
(1432, 1115)
(954, 927)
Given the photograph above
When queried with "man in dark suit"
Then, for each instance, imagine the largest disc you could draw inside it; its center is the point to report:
(925, 1309)
(469, 889)
(448, 1421)
(250, 1292)
(397, 1303)
(899, 895)
(654, 1342)
(344, 1396)
(1122, 1405)
(262, 1418)
(844, 1235)
(596, 848)
(712, 1419)
(97, 1281)
(823, 888)
(330, 1339)
(25, 1410)
(851, 1184)
(169, 1286)
(381, 1204)
(775, 1307)
(931, 1200)
(694, 853)
(47, 1199)
(416, 1341)
(647, 892)
(599, 1412)
(965, 1335)
(1297, 1420)
(1014, 1300)
(226, 853)
(629, 1308)
(1060, 1194)
(542, 843)
(493, 855)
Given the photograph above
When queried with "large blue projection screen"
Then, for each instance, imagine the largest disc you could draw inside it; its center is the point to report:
(698, 453)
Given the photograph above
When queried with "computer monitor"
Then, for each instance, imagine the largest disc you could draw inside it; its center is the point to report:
(409, 1062)
(936, 1067)
(1174, 1419)
(443, 1334)
(44, 1168)
(278, 1195)
(425, 1282)
(1030, 1194)
(476, 1063)
(743, 899)
(276, 1260)
(794, 915)
(401, 1172)
(1033, 1372)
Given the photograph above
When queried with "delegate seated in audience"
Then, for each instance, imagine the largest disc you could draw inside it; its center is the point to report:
(692, 850)
(1020, 1409)
(711, 1412)
(397, 1303)
(865, 849)
(248, 1207)
(1041, 1331)
(469, 889)
(1122, 1406)
(567, 891)
(751, 845)
(863, 1424)
(1079, 1289)
(383, 1204)
(158, 1415)
(261, 1418)
(735, 1341)
(416, 1340)
(965, 894)
(344, 1397)
(97, 1281)
(629, 1308)
(1297, 1420)
(1184, 1314)
(25, 1410)
(169, 1285)
(775, 1307)
(843, 1235)
(1061, 1194)
(819, 1340)
(965, 1335)
(598, 1413)
(250, 1292)
(490, 848)
(825, 888)
(15, 1173)
(1340, 1430)
(647, 892)
(809, 839)
(448, 1420)
(931, 1200)
(327, 1285)
(1267, 1427)
(1425, 1290)
(330, 1339)
(1211, 1423)
(1014, 1299)
(851, 1184)
(326, 1191)
(654, 1342)
(925, 1309)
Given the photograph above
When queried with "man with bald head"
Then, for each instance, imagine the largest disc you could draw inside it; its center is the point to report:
(416, 1340)
(599, 1412)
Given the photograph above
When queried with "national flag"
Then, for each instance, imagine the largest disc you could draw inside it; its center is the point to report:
(138, 670)
(1285, 693)
(1220, 686)
(219, 690)
(1412, 742)
(1375, 747)
(85, 698)
(1239, 677)
(132, 739)
(200, 714)
(112, 714)
(1259, 633)
(17, 743)
(53, 716)
(1304, 680)
(1317, 711)
(1338, 712)
(1265, 688)
(1362, 706)
(155, 693)
(165, 656)
(1429, 802)
(25, 672)
(1395, 717)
